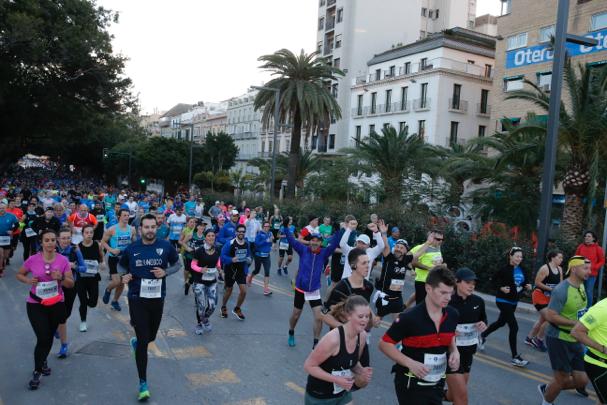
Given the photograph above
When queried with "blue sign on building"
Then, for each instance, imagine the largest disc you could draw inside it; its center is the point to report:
(542, 53)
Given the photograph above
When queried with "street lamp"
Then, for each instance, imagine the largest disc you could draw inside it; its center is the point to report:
(561, 37)
(276, 117)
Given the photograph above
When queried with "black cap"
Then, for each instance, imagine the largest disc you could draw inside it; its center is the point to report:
(465, 274)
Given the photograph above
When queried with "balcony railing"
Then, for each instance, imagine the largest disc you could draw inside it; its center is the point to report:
(458, 105)
(483, 110)
(328, 48)
(421, 104)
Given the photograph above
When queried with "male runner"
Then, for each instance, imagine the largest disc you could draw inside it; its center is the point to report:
(176, 223)
(8, 223)
(422, 264)
(362, 242)
(236, 257)
(78, 220)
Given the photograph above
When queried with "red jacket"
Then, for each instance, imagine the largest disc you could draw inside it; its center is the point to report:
(594, 253)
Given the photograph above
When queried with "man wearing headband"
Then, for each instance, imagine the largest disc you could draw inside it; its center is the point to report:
(389, 299)
(567, 305)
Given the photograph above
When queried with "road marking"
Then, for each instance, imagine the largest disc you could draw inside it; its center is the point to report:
(155, 350)
(120, 336)
(175, 333)
(254, 401)
(295, 387)
(225, 376)
(190, 352)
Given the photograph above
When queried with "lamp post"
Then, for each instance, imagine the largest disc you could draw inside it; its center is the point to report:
(191, 152)
(276, 118)
(561, 38)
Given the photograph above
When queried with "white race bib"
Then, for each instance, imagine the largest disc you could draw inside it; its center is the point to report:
(283, 245)
(5, 240)
(396, 285)
(100, 218)
(340, 373)
(150, 288)
(29, 232)
(92, 266)
(47, 289)
(437, 364)
(210, 274)
(467, 334)
(312, 295)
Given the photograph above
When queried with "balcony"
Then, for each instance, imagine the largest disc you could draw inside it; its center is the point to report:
(449, 142)
(328, 48)
(458, 105)
(403, 107)
(483, 110)
(421, 104)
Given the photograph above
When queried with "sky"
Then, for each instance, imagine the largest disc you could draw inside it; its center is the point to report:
(185, 51)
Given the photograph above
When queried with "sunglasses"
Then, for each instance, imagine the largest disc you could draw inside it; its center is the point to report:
(438, 239)
(240, 231)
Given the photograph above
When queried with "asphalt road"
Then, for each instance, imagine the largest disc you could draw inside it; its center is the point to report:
(244, 363)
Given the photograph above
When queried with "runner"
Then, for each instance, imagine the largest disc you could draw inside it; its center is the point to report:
(567, 304)
(423, 263)
(276, 222)
(307, 283)
(87, 278)
(146, 262)
(263, 248)
(338, 259)
(285, 248)
(8, 223)
(187, 231)
(28, 236)
(334, 363)
(204, 279)
(548, 276)
(214, 211)
(427, 334)
(308, 230)
(472, 321)
(99, 212)
(190, 241)
(510, 281)
(50, 272)
(236, 257)
(16, 210)
(114, 241)
(176, 223)
(253, 228)
(78, 220)
(162, 232)
(132, 206)
(362, 242)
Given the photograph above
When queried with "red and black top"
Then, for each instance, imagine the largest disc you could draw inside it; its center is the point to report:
(418, 334)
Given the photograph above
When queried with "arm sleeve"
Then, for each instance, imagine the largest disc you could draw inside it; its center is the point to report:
(80, 261)
(601, 257)
(483, 312)
(593, 318)
(379, 248)
(297, 245)
(343, 242)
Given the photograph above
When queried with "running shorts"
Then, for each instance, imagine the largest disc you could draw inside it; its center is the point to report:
(299, 300)
(565, 356)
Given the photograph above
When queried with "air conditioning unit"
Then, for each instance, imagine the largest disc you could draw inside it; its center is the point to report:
(545, 88)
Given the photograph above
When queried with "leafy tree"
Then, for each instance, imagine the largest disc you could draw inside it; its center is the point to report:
(218, 152)
(307, 163)
(305, 100)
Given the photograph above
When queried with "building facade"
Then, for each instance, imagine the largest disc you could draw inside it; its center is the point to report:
(244, 125)
(438, 87)
(524, 52)
(351, 31)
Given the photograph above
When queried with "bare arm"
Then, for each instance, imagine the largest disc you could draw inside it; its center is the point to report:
(580, 333)
(540, 276)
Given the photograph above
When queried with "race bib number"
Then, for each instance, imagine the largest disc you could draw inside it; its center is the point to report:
(5, 240)
(283, 245)
(92, 266)
(210, 274)
(241, 254)
(342, 260)
(467, 334)
(437, 364)
(29, 232)
(150, 288)
(312, 295)
(397, 285)
(100, 218)
(340, 373)
(123, 241)
(47, 289)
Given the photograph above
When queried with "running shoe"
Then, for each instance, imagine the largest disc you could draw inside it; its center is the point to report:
(582, 392)
(285, 270)
(238, 313)
(83, 326)
(35, 381)
(481, 343)
(116, 306)
(133, 344)
(224, 312)
(144, 393)
(542, 390)
(45, 370)
(199, 330)
(291, 340)
(62, 351)
(207, 327)
(106, 297)
(267, 292)
(518, 361)
(540, 345)
(530, 342)
(279, 271)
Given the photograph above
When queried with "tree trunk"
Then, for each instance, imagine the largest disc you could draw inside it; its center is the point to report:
(573, 216)
(294, 154)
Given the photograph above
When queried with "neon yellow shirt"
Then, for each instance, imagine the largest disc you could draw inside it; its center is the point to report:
(595, 320)
(430, 258)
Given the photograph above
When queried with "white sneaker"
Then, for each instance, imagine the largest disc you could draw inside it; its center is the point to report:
(83, 327)
(518, 361)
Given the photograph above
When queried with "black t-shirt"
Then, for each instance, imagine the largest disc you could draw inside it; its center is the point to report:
(418, 334)
(471, 310)
(238, 250)
(393, 269)
(344, 289)
(206, 259)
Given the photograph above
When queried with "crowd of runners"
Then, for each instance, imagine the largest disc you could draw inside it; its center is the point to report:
(72, 228)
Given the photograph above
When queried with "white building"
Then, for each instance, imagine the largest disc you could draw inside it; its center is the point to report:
(349, 31)
(438, 87)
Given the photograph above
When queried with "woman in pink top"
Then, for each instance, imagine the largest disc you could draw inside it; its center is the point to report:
(47, 272)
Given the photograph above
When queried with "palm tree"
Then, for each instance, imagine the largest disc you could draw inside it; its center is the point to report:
(582, 134)
(307, 163)
(305, 100)
(394, 156)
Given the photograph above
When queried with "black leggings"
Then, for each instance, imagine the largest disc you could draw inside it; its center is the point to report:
(29, 247)
(69, 295)
(88, 294)
(146, 314)
(44, 321)
(506, 316)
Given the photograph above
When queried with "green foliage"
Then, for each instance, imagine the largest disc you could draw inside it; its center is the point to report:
(218, 152)
(216, 181)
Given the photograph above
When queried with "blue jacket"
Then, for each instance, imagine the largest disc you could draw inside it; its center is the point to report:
(263, 244)
(226, 255)
(227, 233)
(311, 264)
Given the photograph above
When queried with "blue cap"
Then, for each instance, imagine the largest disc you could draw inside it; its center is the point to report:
(394, 229)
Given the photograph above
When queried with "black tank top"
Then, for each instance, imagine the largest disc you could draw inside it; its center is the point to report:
(89, 254)
(551, 280)
(342, 361)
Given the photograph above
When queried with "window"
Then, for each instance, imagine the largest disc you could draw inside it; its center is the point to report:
(517, 41)
(340, 15)
(336, 62)
(546, 33)
(423, 63)
(544, 79)
(331, 141)
(403, 98)
(431, 14)
(423, 95)
(402, 126)
(513, 83)
(359, 105)
(321, 23)
(424, 11)
(338, 41)
(436, 13)
(334, 90)
(481, 131)
(453, 133)
(388, 100)
(488, 70)
(407, 68)
(455, 100)
(314, 141)
(484, 107)
(392, 71)
(263, 146)
(421, 128)
(319, 47)
(598, 21)
(471, 24)
(322, 3)
(373, 103)
(386, 125)
(470, 62)
(371, 129)
(377, 74)
(357, 134)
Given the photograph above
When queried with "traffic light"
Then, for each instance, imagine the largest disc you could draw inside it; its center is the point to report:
(106, 153)
(142, 181)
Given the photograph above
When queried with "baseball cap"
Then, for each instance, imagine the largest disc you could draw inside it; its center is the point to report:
(235, 212)
(216, 202)
(394, 229)
(364, 239)
(465, 274)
